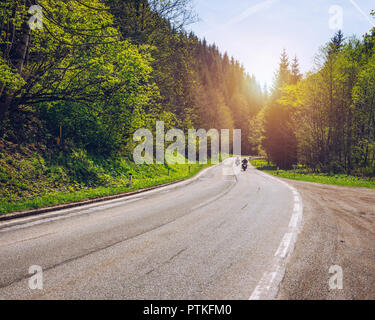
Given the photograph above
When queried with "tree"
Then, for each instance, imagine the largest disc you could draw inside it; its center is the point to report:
(336, 43)
(333, 113)
(104, 68)
(279, 141)
(142, 21)
(296, 75)
(256, 133)
(75, 57)
(283, 74)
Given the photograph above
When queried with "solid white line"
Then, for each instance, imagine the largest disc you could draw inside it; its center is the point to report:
(294, 221)
(265, 284)
(267, 287)
(284, 245)
(296, 207)
(69, 215)
(25, 222)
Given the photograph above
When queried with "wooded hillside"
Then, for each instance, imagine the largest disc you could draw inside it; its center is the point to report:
(325, 120)
(102, 69)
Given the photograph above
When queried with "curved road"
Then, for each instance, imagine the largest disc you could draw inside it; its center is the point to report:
(212, 238)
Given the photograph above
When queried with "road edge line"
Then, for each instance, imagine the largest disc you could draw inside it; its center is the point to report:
(268, 286)
(20, 218)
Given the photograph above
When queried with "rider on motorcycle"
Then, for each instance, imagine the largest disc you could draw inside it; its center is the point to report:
(244, 164)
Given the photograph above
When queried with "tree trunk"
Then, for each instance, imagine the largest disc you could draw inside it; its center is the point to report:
(17, 59)
(5, 102)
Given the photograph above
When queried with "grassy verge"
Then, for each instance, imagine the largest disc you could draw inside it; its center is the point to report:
(33, 182)
(303, 174)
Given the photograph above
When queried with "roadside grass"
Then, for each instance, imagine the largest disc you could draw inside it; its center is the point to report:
(303, 174)
(33, 183)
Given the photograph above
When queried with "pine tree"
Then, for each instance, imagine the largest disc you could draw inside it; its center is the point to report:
(337, 42)
(295, 72)
(279, 140)
(283, 74)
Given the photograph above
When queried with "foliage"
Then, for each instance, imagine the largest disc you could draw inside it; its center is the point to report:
(279, 141)
(326, 120)
(33, 181)
(103, 69)
(303, 174)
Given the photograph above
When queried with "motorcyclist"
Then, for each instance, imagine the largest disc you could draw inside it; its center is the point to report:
(245, 162)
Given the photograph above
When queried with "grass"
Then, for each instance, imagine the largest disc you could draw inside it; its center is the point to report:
(303, 174)
(34, 182)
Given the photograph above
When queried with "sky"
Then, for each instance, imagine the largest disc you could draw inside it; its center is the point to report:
(255, 32)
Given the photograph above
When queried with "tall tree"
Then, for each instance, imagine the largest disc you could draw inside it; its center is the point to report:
(279, 140)
(295, 71)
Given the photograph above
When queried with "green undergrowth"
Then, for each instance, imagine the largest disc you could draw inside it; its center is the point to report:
(35, 181)
(303, 174)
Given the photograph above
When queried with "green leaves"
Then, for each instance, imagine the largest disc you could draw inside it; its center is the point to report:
(333, 110)
(9, 78)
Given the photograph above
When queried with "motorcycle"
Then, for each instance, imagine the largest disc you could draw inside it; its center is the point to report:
(244, 166)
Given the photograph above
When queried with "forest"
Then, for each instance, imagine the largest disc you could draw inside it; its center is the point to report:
(102, 69)
(326, 119)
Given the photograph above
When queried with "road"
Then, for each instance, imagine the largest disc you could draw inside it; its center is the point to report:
(212, 238)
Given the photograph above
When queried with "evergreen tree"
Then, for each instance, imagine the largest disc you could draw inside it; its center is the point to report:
(283, 75)
(337, 42)
(279, 141)
(295, 71)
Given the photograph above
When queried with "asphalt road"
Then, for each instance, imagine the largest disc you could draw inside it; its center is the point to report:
(212, 238)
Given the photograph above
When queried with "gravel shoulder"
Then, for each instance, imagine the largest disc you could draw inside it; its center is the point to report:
(338, 229)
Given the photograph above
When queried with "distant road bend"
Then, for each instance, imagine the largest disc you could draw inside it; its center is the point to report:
(217, 237)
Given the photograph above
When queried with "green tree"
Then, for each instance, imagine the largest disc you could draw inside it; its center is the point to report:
(280, 142)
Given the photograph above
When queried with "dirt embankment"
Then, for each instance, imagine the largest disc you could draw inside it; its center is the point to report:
(338, 229)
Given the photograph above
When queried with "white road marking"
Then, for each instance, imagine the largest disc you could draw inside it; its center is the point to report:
(20, 223)
(296, 206)
(268, 285)
(284, 245)
(76, 213)
(294, 221)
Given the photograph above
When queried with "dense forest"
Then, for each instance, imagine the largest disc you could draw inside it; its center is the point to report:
(325, 120)
(102, 69)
